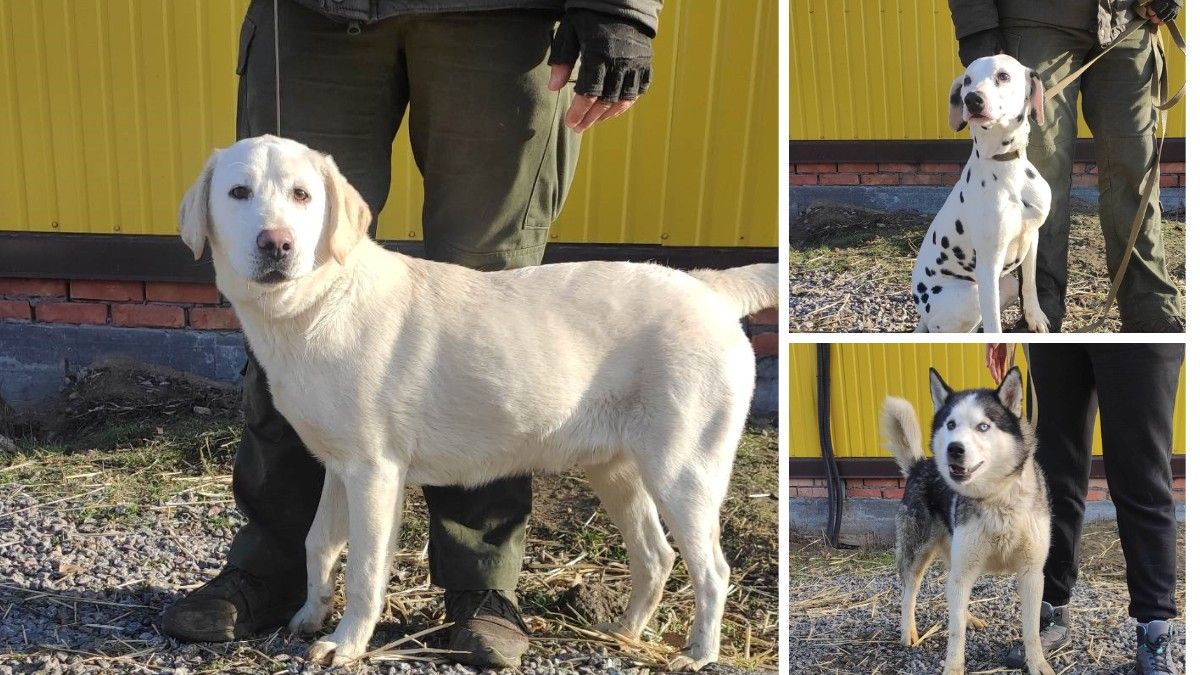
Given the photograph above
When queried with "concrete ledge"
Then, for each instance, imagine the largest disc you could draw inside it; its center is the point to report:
(923, 199)
(34, 358)
(872, 521)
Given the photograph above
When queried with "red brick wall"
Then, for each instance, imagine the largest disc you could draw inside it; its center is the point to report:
(893, 488)
(764, 332)
(932, 173)
(116, 303)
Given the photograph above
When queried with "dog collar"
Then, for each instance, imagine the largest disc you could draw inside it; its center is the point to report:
(1007, 156)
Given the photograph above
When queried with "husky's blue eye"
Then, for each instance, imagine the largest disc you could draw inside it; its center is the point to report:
(983, 426)
(950, 425)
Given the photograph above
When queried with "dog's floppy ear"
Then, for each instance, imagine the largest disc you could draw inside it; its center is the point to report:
(194, 219)
(1037, 96)
(1010, 391)
(955, 117)
(347, 216)
(939, 391)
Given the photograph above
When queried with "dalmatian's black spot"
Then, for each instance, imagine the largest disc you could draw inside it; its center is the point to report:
(968, 175)
(916, 300)
(941, 259)
(956, 275)
(994, 177)
(1029, 172)
(956, 98)
(921, 287)
(983, 183)
(924, 297)
(935, 290)
(928, 272)
(926, 308)
(960, 198)
(977, 152)
(958, 253)
(958, 226)
(945, 242)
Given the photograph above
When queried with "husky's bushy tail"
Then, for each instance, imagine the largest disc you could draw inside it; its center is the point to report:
(901, 432)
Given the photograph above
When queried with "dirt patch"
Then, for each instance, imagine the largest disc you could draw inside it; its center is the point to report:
(850, 269)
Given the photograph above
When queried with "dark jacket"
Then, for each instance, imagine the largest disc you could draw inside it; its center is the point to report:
(1106, 18)
(367, 11)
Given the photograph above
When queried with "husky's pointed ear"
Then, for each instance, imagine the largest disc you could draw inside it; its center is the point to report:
(955, 116)
(1037, 96)
(347, 215)
(1010, 392)
(195, 222)
(939, 391)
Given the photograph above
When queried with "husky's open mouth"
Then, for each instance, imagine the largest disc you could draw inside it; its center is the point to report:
(962, 474)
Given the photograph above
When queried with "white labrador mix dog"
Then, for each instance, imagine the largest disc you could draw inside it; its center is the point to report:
(396, 370)
(989, 226)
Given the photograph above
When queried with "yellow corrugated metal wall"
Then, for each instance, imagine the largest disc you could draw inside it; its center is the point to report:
(863, 374)
(109, 108)
(847, 56)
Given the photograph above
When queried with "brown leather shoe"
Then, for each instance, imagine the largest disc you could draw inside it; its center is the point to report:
(488, 631)
(233, 606)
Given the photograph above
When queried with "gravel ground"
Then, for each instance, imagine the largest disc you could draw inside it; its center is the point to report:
(845, 614)
(98, 534)
(850, 269)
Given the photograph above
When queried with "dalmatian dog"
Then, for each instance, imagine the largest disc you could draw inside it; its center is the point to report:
(988, 228)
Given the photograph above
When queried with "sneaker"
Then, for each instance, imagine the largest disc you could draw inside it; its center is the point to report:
(488, 630)
(233, 606)
(1055, 632)
(1154, 648)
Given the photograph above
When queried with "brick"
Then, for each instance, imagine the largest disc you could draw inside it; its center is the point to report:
(1174, 167)
(107, 290)
(815, 167)
(767, 317)
(213, 318)
(1090, 180)
(43, 288)
(765, 344)
(72, 312)
(921, 179)
(881, 482)
(1168, 180)
(802, 179)
(1178, 483)
(809, 492)
(1096, 495)
(897, 167)
(949, 179)
(857, 167)
(154, 316)
(866, 493)
(201, 294)
(838, 179)
(15, 309)
(881, 179)
(895, 493)
(941, 167)
(803, 482)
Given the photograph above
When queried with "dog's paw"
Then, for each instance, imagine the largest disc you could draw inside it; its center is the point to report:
(1037, 320)
(960, 669)
(1042, 667)
(614, 628)
(330, 652)
(910, 636)
(309, 619)
(975, 622)
(691, 658)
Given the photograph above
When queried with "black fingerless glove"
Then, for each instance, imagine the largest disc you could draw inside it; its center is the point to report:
(981, 44)
(614, 54)
(1166, 10)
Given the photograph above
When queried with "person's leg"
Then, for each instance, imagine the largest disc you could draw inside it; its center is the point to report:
(1118, 108)
(1136, 385)
(342, 94)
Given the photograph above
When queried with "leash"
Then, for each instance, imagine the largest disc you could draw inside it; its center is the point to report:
(1159, 85)
(278, 98)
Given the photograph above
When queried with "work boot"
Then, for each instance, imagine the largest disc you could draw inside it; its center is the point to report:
(488, 631)
(233, 606)
(1154, 648)
(1054, 632)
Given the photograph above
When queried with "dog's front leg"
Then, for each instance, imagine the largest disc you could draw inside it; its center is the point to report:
(374, 495)
(958, 596)
(1035, 318)
(1029, 588)
(324, 544)
(988, 279)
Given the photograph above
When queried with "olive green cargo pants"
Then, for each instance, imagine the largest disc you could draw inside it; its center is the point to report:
(1117, 107)
(496, 160)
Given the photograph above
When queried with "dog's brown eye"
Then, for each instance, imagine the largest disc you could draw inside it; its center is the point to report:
(983, 426)
(950, 425)
(1002, 76)
(300, 195)
(966, 81)
(240, 192)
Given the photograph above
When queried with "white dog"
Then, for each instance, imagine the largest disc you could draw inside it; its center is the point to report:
(397, 370)
(989, 226)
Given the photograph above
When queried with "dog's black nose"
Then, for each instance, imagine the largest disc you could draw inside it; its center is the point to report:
(974, 103)
(275, 243)
(956, 450)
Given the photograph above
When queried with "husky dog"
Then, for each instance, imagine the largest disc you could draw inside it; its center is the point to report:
(979, 504)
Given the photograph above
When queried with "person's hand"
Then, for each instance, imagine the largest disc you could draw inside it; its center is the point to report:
(978, 45)
(997, 357)
(614, 64)
(1159, 11)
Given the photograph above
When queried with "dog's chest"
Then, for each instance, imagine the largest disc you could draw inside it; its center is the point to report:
(1007, 538)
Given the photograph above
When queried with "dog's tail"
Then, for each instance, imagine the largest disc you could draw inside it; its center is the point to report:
(901, 432)
(749, 288)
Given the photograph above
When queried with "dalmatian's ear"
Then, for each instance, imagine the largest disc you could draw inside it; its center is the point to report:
(1037, 95)
(955, 116)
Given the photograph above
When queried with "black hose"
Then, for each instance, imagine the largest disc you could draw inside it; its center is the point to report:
(833, 480)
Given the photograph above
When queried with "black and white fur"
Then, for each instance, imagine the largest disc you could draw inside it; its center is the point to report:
(979, 504)
(988, 228)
